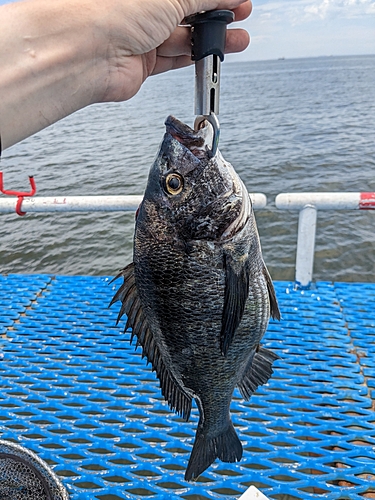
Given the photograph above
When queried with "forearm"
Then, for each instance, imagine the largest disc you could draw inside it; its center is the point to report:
(49, 64)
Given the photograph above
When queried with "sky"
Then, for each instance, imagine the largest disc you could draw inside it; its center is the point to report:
(307, 28)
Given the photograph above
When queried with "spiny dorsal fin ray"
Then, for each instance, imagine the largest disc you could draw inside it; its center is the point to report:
(128, 274)
(178, 399)
(127, 298)
(258, 371)
(235, 296)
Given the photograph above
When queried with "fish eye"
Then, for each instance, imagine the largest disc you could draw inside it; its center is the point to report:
(174, 184)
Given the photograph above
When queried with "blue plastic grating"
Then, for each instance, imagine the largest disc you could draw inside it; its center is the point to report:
(74, 391)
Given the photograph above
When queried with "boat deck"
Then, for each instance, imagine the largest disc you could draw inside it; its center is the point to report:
(77, 393)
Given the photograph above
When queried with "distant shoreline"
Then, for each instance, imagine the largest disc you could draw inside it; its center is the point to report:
(284, 58)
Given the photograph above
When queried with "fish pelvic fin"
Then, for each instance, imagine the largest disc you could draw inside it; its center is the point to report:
(258, 372)
(177, 397)
(226, 446)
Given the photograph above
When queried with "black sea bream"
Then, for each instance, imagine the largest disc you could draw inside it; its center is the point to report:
(198, 295)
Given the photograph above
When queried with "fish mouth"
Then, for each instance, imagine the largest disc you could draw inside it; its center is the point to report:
(197, 141)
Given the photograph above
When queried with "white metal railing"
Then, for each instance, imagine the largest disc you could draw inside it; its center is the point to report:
(90, 203)
(72, 203)
(308, 204)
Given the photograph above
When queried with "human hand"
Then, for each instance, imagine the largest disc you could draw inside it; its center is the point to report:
(59, 56)
(143, 39)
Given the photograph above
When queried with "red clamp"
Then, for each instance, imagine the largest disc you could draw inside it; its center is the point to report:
(19, 194)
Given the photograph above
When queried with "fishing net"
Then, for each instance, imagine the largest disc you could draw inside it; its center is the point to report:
(24, 476)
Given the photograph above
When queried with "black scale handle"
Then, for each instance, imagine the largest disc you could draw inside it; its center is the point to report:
(208, 33)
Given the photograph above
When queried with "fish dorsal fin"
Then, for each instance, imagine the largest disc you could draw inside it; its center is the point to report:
(178, 399)
(258, 371)
(235, 296)
(274, 307)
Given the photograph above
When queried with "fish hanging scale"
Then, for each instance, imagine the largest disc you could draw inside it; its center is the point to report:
(76, 393)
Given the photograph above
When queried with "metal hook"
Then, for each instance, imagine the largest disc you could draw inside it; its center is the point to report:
(213, 120)
(19, 194)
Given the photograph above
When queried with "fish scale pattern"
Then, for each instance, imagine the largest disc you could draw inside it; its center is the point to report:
(78, 394)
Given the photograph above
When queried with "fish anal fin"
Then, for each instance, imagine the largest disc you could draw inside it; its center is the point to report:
(174, 393)
(258, 372)
(235, 296)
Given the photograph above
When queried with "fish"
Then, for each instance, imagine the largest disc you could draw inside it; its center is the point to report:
(198, 296)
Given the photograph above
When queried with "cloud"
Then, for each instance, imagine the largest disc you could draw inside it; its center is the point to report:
(301, 11)
(340, 8)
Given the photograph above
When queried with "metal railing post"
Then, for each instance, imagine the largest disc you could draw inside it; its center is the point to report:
(305, 246)
(308, 204)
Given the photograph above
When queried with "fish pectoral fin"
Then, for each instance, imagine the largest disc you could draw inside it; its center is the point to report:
(235, 296)
(178, 399)
(258, 372)
(274, 307)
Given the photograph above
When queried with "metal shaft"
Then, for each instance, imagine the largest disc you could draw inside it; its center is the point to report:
(207, 85)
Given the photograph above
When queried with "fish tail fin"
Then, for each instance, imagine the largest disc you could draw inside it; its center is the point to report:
(225, 446)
